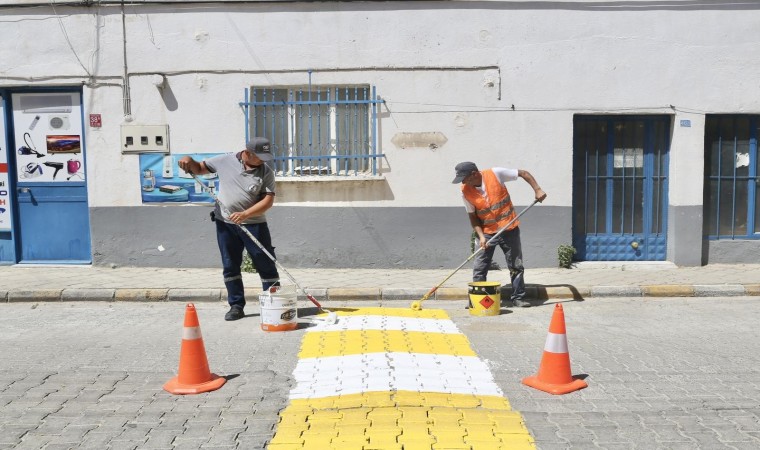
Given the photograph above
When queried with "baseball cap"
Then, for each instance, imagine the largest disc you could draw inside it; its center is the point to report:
(463, 169)
(260, 147)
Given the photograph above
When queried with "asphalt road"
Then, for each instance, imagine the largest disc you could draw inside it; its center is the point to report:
(675, 373)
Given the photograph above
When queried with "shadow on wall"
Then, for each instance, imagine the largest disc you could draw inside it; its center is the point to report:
(350, 190)
(170, 100)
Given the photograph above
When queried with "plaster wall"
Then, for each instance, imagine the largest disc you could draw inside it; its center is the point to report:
(361, 237)
(500, 81)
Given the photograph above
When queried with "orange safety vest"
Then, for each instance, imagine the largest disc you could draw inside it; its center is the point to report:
(496, 211)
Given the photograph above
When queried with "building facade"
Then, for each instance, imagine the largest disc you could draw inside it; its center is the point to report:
(639, 119)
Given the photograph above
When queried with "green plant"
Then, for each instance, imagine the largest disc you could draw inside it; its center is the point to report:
(247, 265)
(565, 254)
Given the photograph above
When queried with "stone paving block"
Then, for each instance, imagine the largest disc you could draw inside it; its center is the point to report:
(319, 295)
(121, 444)
(247, 440)
(751, 289)
(140, 295)
(708, 439)
(728, 433)
(134, 432)
(183, 442)
(560, 292)
(55, 445)
(162, 438)
(197, 430)
(668, 433)
(34, 295)
(257, 426)
(87, 294)
(754, 445)
(612, 445)
(668, 290)
(11, 433)
(616, 291)
(403, 294)
(224, 436)
(341, 294)
(450, 293)
(718, 290)
(34, 442)
(205, 414)
(195, 295)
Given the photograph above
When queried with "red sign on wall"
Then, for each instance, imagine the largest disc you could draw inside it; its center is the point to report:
(95, 121)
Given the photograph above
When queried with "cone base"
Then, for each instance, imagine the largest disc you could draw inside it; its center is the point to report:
(173, 386)
(556, 389)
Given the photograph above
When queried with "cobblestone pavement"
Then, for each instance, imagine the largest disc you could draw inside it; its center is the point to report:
(676, 373)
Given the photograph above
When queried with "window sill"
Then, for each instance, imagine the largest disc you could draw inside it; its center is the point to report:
(328, 178)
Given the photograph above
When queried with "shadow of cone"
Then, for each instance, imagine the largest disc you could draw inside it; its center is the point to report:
(554, 375)
(194, 375)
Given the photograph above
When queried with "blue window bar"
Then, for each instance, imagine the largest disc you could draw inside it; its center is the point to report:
(316, 130)
(732, 206)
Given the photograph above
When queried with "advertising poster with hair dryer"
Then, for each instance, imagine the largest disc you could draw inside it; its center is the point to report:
(48, 135)
(5, 198)
(162, 181)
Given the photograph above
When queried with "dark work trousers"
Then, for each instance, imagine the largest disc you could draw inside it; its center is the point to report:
(509, 241)
(232, 241)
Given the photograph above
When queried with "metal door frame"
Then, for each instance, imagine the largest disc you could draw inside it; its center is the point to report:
(7, 94)
(582, 239)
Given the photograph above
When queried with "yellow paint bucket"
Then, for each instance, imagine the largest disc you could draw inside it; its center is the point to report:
(485, 298)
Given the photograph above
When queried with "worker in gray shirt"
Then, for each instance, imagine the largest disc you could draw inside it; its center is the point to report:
(246, 188)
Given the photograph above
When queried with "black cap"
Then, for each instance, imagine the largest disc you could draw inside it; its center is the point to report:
(260, 147)
(463, 169)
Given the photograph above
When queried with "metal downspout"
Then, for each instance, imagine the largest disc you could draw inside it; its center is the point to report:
(125, 90)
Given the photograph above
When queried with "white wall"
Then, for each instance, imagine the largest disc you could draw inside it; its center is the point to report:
(450, 67)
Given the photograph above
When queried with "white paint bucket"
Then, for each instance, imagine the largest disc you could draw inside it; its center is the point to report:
(279, 308)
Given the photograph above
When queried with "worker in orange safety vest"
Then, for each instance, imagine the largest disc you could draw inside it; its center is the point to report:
(490, 208)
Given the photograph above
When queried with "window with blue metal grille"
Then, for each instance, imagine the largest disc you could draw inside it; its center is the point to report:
(732, 210)
(317, 130)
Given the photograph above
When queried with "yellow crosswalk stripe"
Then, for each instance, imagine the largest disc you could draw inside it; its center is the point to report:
(348, 394)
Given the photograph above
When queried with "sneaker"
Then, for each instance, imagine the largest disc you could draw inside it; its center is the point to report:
(235, 313)
(520, 303)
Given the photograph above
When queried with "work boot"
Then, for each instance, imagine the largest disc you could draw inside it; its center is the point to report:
(520, 303)
(235, 313)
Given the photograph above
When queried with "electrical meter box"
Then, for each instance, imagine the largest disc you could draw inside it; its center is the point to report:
(145, 138)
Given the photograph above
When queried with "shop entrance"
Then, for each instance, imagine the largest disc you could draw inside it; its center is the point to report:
(47, 215)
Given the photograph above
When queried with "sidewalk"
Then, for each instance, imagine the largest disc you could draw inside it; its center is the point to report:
(76, 283)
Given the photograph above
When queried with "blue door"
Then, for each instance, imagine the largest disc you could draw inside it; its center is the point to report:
(620, 185)
(52, 216)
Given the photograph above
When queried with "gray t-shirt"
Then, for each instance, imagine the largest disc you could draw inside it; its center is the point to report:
(239, 189)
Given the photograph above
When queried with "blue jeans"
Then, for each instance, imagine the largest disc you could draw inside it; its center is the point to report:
(232, 241)
(509, 242)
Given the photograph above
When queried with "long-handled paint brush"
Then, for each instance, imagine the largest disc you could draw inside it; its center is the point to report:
(331, 316)
(417, 304)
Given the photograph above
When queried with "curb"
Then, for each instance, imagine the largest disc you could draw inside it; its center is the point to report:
(378, 294)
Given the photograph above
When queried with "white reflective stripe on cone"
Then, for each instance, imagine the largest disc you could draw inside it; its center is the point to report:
(191, 333)
(556, 343)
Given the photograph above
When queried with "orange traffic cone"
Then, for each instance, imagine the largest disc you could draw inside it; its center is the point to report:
(554, 374)
(194, 375)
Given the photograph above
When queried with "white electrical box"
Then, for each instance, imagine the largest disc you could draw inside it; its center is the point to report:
(145, 138)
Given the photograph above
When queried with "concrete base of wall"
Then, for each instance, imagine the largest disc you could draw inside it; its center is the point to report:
(685, 235)
(331, 237)
(732, 252)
